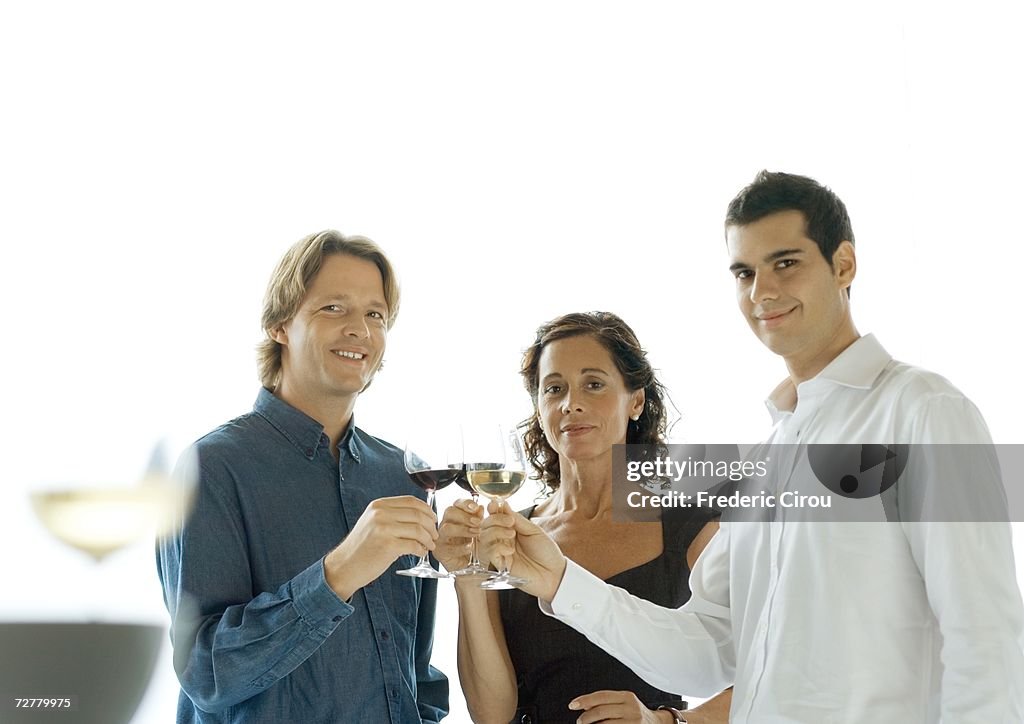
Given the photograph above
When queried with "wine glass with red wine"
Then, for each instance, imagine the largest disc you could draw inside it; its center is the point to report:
(432, 465)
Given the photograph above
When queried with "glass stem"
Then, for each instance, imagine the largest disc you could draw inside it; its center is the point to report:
(504, 565)
(474, 560)
(430, 503)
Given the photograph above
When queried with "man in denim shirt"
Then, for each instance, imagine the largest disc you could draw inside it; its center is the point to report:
(274, 620)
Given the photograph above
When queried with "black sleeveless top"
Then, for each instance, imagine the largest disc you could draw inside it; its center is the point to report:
(554, 663)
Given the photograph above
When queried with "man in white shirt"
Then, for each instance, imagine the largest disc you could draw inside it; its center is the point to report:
(818, 622)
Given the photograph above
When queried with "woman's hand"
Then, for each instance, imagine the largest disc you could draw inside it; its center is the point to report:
(618, 706)
(461, 523)
(531, 554)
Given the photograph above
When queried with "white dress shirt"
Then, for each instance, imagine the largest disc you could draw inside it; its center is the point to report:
(827, 623)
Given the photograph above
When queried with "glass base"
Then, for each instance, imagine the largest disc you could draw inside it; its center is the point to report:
(422, 570)
(474, 570)
(502, 582)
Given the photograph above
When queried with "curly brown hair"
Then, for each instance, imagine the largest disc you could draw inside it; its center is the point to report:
(631, 361)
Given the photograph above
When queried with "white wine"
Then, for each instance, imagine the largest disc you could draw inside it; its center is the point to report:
(99, 521)
(496, 484)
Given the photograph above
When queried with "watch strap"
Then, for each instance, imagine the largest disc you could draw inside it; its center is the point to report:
(676, 714)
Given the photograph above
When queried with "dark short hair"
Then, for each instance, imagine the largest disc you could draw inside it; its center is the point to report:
(630, 360)
(828, 223)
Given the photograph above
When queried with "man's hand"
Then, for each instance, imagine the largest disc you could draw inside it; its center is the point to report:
(618, 706)
(713, 711)
(387, 529)
(461, 523)
(530, 552)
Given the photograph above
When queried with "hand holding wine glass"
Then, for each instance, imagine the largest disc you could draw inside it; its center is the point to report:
(387, 529)
(473, 567)
(457, 539)
(507, 536)
(499, 472)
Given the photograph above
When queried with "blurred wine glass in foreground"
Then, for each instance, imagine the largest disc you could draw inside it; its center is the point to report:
(95, 671)
(99, 520)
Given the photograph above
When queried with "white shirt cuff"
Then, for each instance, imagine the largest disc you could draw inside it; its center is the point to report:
(581, 597)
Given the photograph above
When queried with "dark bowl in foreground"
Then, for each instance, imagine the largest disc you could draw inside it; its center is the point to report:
(102, 669)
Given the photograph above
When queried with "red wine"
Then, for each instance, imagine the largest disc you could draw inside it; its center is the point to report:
(435, 479)
(462, 481)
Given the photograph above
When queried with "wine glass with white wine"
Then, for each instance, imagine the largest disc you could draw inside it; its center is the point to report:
(105, 662)
(100, 520)
(496, 469)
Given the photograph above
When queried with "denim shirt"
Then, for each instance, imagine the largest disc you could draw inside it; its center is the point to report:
(258, 634)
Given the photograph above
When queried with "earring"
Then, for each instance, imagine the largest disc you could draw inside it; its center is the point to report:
(635, 418)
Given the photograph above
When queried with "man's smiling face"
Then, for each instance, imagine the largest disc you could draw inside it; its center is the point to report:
(334, 344)
(792, 298)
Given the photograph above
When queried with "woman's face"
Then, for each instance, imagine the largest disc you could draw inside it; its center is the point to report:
(582, 400)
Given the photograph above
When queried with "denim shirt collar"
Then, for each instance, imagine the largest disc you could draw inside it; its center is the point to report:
(300, 429)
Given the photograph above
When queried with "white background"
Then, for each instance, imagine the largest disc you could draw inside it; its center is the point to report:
(517, 161)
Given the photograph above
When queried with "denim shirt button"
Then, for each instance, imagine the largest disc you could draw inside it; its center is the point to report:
(384, 635)
(336, 619)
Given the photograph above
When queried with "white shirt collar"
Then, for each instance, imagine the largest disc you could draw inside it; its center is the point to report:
(857, 366)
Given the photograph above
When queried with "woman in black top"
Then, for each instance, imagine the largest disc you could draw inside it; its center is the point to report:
(592, 388)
